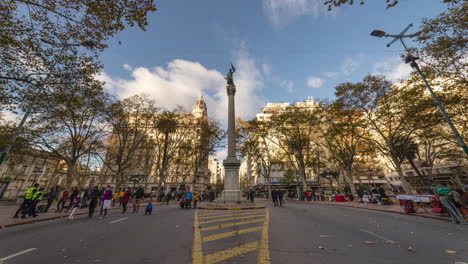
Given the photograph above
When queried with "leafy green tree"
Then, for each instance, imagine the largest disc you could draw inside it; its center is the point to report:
(29, 27)
(130, 120)
(393, 114)
(71, 123)
(345, 134)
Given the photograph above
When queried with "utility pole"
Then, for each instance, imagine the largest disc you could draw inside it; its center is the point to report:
(412, 60)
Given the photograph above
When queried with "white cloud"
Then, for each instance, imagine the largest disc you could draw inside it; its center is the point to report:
(314, 82)
(393, 68)
(182, 81)
(266, 69)
(288, 85)
(280, 12)
(351, 64)
(127, 67)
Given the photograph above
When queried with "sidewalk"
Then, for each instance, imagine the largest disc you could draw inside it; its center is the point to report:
(7, 212)
(397, 209)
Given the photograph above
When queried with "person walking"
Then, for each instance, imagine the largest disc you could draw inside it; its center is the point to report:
(137, 198)
(274, 197)
(106, 202)
(37, 197)
(26, 201)
(280, 198)
(115, 196)
(125, 198)
(62, 201)
(51, 197)
(195, 200)
(86, 195)
(252, 195)
(72, 198)
(121, 195)
(94, 200)
(76, 204)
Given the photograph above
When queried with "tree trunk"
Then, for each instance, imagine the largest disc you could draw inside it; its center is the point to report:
(349, 177)
(406, 186)
(302, 174)
(71, 173)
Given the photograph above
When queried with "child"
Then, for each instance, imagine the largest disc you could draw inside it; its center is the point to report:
(76, 203)
(149, 207)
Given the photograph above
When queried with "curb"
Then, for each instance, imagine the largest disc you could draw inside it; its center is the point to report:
(380, 210)
(52, 218)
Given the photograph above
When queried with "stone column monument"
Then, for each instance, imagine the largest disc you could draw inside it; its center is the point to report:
(231, 193)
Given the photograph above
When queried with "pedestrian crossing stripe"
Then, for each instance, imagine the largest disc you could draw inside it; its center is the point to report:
(231, 233)
(232, 218)
(261, 245)
(224, 212)
(230, 224)
(231, 252)
(223, 215)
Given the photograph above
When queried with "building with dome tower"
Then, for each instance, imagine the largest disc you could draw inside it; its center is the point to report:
(180, 174)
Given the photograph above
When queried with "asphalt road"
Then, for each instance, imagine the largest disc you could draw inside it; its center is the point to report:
(298, 233)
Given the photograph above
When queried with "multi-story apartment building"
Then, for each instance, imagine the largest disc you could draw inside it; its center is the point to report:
(180, 171)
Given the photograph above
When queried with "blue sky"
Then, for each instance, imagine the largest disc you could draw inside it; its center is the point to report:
(284, 50)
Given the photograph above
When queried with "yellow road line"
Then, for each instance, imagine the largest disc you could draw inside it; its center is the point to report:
(222, 212)
(232, 218)
(264, 251)
(232, 252)
(232, 233)
(230, 224)
(197, 253)
(222, 215)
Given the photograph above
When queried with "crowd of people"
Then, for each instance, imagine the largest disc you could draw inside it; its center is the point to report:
(92, 198)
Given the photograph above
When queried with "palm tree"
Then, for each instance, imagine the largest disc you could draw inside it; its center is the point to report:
(167, 124)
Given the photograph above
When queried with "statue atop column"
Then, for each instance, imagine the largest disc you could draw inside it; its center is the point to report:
(231, 87)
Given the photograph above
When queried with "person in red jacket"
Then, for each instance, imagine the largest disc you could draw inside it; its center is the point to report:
(62, 201)
(126, 197)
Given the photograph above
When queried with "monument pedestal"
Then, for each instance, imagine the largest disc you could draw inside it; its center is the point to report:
(231, 192)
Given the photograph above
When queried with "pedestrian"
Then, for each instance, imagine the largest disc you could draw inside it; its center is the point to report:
(274, 197)
(137, 198)
(376, 196)
(115, 196)
(51, 197)
(188, 199)
(37, 197)
(383, 195)
(149, 207)
(280, 198)
(125, 198)
(121, 195)
(73, 195)
(195, 200)
(86, 195)
(106, 202)
(168, 197)
(62, 201)
(212, 195)
(93, 200)
(26, 201)
(252, 195)
(76, 204)
(360, 194)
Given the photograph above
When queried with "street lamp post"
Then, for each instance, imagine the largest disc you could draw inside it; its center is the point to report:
(18, 129)
(412, 60)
